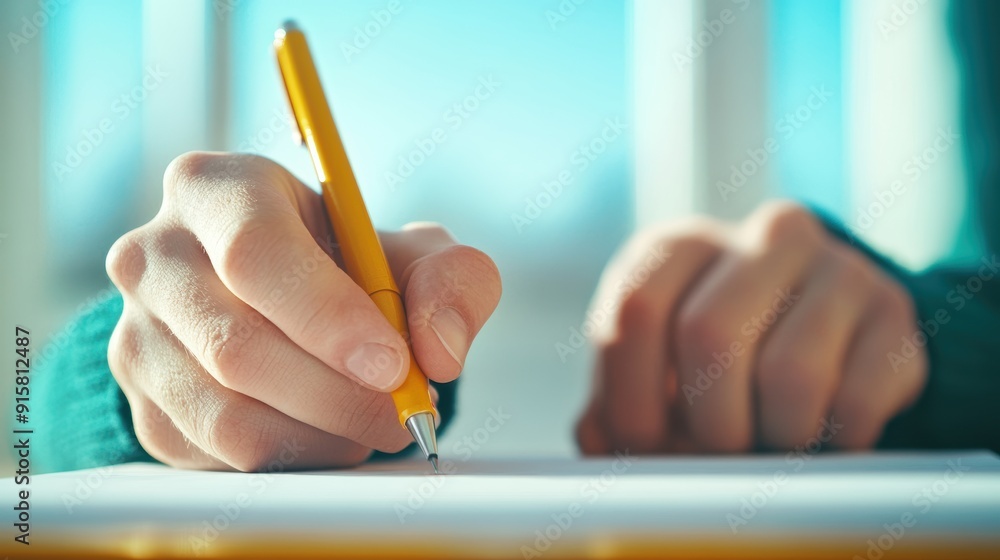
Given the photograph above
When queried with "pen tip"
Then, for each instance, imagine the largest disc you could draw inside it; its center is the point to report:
(433, 458)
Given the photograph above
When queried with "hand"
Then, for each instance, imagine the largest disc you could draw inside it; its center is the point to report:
(727, 338)
(242, 343)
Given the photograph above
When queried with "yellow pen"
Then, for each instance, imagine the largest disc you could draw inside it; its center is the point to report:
(362, 252)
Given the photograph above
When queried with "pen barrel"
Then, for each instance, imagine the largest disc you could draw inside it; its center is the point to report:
(413, 396)
(360, 247)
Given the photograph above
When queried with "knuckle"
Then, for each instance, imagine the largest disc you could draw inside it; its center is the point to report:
(787, 376)
(124, 348)
(195, 170)
(244, 247)
(245, 441)
(126, 262)
(702, 331)
(186, 169)
(785, 222)
(641, 311)
(231, 351)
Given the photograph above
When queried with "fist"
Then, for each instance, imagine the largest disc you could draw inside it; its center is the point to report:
(242, 342)
(733, 337)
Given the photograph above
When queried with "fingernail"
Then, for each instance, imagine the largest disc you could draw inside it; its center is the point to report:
(452, 331)
(376, 364)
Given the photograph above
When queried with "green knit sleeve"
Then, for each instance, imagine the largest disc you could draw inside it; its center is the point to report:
(81, 418)
(959, 317)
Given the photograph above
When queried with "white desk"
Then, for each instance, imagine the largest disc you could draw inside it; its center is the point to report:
(837, 506)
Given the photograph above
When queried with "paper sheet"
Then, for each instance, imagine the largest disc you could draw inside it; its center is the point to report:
(512, 503)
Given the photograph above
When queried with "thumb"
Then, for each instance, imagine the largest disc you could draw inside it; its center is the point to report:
(450, 291)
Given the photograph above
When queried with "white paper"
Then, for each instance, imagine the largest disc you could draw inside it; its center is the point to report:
(510, 503)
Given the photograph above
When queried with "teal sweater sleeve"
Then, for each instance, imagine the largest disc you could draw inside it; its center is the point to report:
(82, 418)
(958, 313)
(960, 322)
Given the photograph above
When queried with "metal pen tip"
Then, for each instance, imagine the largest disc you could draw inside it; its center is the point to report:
(421, 427)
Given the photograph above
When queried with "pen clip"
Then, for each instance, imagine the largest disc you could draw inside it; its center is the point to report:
(280, 35)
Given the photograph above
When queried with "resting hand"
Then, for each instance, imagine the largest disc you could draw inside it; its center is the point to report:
(766, 334)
